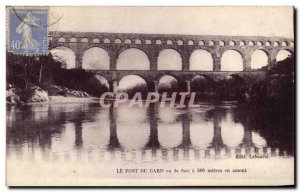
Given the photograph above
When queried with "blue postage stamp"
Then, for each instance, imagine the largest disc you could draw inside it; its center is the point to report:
(28, 30)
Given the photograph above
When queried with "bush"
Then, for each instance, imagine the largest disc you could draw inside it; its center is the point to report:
(79, 79)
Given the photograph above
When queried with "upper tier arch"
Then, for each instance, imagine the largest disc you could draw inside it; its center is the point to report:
(153, 44)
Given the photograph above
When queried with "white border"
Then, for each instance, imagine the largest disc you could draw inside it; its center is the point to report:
(3, 3)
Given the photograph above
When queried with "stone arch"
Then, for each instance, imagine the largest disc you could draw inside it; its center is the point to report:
(259, 43)
(62, 40)
(158, 42)
(169, 59)
(260, 58)
(65, 55)
(84, 40)
(96, 40)
(159, 77)
(283, 43)
(251, 43)
(148, 41)
(222, 43)
(106, 40)
(118, 41)
(132, 84)
(201, 60)
(242, 43)
(73, 40)
(232, 60)
(268, 43)
(232, 43)
(190, 42)
(283, 54)
(96, 58)
(138, 41)
(276, 44)
(133, 59)
(201, 42)
(168, 83)
(169, 42)
(127, 41)
(179, 42)
(211, 43)
(137, 76)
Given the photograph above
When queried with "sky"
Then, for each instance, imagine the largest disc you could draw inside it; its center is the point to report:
(245, 21)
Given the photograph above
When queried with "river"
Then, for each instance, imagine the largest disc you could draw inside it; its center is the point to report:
(74, 140)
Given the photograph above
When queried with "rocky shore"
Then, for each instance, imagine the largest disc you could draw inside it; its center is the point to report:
(35, 94)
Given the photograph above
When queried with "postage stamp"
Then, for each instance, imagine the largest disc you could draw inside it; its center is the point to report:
(27, 30)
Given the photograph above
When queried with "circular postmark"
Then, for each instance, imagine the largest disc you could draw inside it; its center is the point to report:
(55, 18)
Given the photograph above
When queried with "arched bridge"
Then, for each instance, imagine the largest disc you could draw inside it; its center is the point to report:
(152, 45)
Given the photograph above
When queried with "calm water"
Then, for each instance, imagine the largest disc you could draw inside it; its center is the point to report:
(86, 132)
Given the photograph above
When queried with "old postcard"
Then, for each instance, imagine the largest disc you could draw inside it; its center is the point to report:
(150, 96)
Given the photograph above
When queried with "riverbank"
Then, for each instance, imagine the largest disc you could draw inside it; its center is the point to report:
(50, 94)
(63, 99)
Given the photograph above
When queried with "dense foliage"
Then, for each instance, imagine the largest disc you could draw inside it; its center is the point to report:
(44, 71)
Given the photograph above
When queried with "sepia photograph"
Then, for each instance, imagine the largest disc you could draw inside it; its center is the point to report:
(150, 96)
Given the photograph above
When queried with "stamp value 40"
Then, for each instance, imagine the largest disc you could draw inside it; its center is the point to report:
(28, 30)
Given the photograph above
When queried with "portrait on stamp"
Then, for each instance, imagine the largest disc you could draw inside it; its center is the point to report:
(28, 30)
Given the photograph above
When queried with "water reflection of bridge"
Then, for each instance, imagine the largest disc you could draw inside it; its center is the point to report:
(184, 151)
(78, 132)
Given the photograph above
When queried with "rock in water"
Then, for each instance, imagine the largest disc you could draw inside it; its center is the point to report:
(12, 97)
(36, 94)
(58, 90)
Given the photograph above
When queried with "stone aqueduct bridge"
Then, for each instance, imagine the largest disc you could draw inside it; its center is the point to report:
(153, 44)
